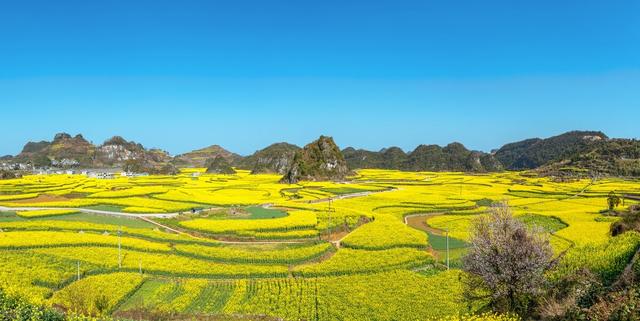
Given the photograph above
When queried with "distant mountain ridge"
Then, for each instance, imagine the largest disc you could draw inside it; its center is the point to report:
(219, 165)
(66, 151)
(536, 152)
(575, 153)
(453, 157)
(571, 153)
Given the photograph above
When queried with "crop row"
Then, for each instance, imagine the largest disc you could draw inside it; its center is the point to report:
(395, 295)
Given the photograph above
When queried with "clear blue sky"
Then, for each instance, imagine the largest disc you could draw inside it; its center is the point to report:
(180, 75)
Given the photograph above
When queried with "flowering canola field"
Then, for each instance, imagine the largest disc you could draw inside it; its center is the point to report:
(340, 251)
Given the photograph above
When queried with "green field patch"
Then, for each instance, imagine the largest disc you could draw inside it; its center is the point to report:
(547, 223)
(439, 242)
(603, 218)
(10, 217)
(484, 202)
(249, 212)
(343, 190)
(455, 257)
(259, 212)
(457, 249)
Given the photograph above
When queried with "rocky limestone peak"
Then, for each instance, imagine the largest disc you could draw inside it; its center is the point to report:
(34, 147)
(219, 165)
(319, 160)
(116, 140)
(275, 159)
(61, 136)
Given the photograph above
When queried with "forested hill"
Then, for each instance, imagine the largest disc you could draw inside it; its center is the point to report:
(453, 157)
(572, 153)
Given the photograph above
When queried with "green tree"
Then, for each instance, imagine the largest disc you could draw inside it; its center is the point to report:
(613, 200)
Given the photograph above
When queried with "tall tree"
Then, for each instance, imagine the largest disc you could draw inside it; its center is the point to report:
(613, 200)
(506, 262)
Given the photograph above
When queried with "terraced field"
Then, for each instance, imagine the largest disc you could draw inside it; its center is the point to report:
(246, 245)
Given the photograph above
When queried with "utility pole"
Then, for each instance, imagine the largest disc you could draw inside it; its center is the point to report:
(447, 233)
(140, 265)
(120, 247)
(78, 270)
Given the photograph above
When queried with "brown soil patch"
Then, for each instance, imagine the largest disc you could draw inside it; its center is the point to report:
(76, 195)
(335, 236)
(420, 223)
(43, 198)
(433, 252)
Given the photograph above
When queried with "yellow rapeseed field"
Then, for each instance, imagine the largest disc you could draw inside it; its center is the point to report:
(247, 244)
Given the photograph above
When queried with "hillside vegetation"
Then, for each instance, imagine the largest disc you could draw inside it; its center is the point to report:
(572, 154)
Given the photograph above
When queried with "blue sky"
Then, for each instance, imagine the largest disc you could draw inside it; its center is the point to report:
(181, 75)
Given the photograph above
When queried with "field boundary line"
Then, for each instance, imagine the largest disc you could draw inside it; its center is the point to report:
(90, 211)
(351, 195)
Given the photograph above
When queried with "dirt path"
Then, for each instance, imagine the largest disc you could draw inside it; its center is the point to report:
(168, 228)
(627, 273)
(338, 243)
(351, 195)
(91, 211)
(148, 217)
(174, 214)
(186, 233)
(419, 222)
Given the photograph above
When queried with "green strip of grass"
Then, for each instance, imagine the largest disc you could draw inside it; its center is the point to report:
(259, 212)
(10, 217)
(439, 242)
(547, 223)
(342, 190)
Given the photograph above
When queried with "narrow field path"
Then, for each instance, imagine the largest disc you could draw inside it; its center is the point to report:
(148, 217)
(419, 222)
(338, 243)
(186, 233)
(351, 195)
(627, 273)
(90, 211)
